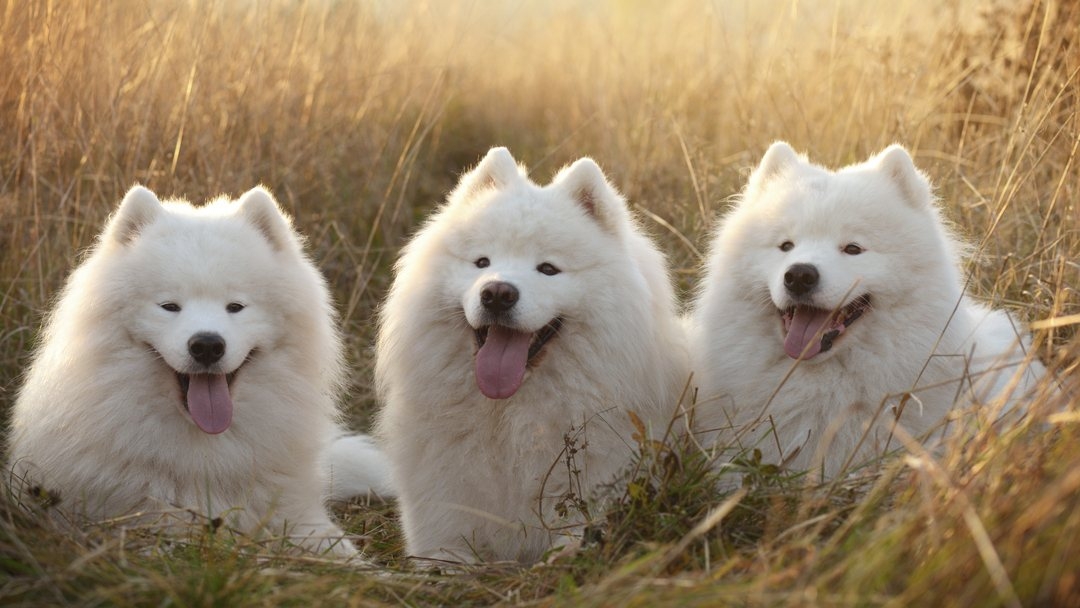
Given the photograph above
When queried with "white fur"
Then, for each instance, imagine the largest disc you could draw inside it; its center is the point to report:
(357, 467)
(479, 478)
(922, 333)
(101, 419)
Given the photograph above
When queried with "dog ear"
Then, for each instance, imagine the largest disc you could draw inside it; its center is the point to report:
(139, 208)
(496, 170)
(258, 207)
(587, 185)
(777, 159)
(896, 164)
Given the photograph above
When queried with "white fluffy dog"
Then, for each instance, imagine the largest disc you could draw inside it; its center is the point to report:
(192, 361)
(828, 298)
(524, 326)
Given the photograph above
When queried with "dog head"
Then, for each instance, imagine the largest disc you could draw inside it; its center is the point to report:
(527, 263)
(197, 288)
(834, 250)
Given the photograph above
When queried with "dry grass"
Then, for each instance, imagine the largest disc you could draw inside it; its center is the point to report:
(359, 117)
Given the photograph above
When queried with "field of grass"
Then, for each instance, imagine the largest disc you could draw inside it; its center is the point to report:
(360, 115)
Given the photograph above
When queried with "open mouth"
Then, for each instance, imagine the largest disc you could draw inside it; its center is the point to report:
(208, 400)
(185, 381)
(811, 331)
(537, 340)
(504, 354)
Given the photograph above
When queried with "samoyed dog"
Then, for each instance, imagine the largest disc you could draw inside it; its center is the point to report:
(192, 365)
(832, 310)
(525, 329)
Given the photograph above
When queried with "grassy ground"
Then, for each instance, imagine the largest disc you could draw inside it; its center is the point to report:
(360, 117)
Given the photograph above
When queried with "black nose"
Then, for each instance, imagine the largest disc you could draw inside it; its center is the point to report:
(801, 279)
(206, 348)
(498, 296)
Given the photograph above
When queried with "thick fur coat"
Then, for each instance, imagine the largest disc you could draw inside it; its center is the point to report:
(833, 308)
(524, 326)
(192, 365)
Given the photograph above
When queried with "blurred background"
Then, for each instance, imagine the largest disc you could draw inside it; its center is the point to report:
(360, 115)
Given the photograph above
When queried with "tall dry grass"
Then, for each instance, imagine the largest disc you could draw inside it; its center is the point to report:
(359, 116)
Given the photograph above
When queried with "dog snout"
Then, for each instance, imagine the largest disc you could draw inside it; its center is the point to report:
(206, 348)
(801, 279)
(498, 296)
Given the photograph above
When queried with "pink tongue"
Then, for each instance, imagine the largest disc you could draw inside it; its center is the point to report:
(209, 403)
(500, 364)
(805, 331)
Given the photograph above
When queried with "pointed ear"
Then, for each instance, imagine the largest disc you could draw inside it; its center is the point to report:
(896, 164)
(258, 207)
(586, 184)
(496, 170)
(139, 208)
(778, 159)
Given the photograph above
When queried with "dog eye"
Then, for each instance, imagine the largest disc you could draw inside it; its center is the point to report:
(853, 249)
(548, 268)
(234, 307)
(170, 306)
(787, 246)
(482, 263)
